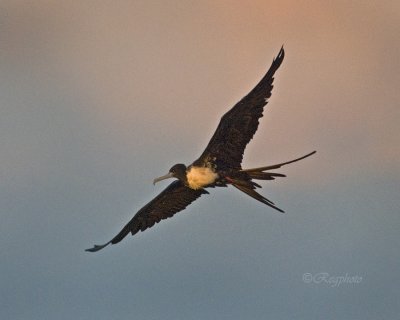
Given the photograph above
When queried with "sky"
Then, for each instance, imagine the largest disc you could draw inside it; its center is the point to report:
(98, 98)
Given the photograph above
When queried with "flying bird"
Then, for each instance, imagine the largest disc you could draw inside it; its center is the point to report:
(218, 166)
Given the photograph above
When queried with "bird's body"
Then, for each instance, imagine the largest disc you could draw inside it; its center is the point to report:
(200, 177)
(218, 166)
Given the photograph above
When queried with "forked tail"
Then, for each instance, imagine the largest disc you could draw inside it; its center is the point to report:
(248, 186)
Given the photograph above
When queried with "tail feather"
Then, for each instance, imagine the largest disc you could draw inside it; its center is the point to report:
(254, 194)
(259, 175)
(248, 186)
(275, 166)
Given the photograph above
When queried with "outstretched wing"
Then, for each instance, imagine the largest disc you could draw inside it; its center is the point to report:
(238, 125)
(173, 199)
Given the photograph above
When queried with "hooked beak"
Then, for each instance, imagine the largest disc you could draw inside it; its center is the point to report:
(167, 176)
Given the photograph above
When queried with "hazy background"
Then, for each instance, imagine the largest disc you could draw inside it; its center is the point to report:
(97, 98)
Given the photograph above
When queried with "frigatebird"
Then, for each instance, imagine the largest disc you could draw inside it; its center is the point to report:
(218, 166)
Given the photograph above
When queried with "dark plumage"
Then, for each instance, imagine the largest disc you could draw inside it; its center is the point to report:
(218, 166)
(173, 199)
(238, 126)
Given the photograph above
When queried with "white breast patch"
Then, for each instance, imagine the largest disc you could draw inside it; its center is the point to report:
(199, 177)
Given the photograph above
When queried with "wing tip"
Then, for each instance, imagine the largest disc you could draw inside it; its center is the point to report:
(281, 54)
(97, 247)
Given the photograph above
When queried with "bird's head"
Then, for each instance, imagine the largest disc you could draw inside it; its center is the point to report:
(177, 171)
